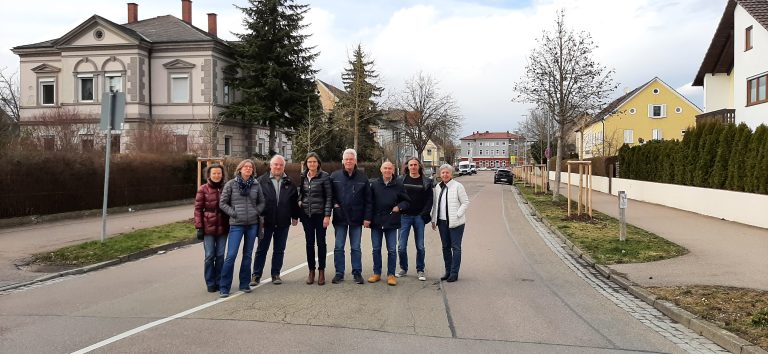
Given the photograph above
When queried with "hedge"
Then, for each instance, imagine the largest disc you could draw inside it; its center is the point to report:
(712, 155)
(39, 183)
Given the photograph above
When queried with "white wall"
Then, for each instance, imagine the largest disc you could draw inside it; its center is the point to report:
(748, 64)
(718, 93)
(599, 183)
(745, 208)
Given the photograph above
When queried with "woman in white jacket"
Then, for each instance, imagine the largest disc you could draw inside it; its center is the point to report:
(449, 216)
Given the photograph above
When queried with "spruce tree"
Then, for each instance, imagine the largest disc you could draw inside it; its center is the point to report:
(737, 162)
(725, 144)
(274, 77)
(358, 105)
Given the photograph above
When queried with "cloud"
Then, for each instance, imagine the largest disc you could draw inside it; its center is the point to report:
(475, 49)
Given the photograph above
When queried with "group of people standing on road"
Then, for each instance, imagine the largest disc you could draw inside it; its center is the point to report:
(246, 209)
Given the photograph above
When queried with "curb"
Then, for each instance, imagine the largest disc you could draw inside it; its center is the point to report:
(38, 219)
(89, 268)
(721, 337)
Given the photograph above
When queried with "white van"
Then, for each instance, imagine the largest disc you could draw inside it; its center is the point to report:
(464, 168)
(472, 168)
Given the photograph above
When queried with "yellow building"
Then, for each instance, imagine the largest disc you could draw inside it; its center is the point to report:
(653, 111)
(433, 155)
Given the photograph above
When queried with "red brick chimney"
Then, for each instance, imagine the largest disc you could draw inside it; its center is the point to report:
(133, 12)
(186, 11)
(212, 24)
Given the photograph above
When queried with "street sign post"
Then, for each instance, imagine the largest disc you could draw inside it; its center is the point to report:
(622, 215)
(112, 116)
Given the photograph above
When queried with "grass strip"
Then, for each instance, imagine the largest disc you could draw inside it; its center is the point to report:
(599, 237)
(93, 252)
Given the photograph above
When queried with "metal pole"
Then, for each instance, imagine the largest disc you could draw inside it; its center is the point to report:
(309, 131)
(622, 215)
(106, 165)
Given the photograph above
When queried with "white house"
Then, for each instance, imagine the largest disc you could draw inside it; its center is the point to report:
(734, 71)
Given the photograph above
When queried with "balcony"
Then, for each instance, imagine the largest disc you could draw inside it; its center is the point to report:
(725, 115)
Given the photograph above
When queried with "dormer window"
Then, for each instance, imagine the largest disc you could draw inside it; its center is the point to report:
(748, 38)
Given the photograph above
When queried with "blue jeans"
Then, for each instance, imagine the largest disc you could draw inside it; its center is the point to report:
(406, 221)
(391, 237)
(314, 231)
(280, 235)
(451, 240)
(355, 233)
(237, 233)
(214, 247)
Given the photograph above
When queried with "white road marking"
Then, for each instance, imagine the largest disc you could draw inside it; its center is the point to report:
(179, 315)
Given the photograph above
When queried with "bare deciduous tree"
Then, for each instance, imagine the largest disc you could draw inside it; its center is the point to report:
(65, 129)
(562, 77)
(9, 106)
(210, 129)
(427, 113)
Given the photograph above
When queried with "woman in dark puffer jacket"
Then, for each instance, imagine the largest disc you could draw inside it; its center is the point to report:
(212, 225)
(316, 201)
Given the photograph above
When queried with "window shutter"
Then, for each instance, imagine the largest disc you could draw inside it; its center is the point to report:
(663, 110)
(650, 111)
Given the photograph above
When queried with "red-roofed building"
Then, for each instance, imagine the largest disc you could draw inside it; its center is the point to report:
(490, 149)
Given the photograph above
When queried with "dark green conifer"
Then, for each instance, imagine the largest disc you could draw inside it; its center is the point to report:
(274, 70)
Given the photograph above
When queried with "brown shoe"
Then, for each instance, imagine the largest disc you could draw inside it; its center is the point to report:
(311, 277)
(374, 278)
(321, 277)
(391, 280)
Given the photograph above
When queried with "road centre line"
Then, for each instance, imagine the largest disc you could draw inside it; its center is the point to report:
(190, 311)
(179, 315)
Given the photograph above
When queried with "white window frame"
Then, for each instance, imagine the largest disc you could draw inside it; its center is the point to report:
(44, 82)
(108, 77)
(172, 98)
(662, 110)
(629, 136)
(656, 134)
(80, 79)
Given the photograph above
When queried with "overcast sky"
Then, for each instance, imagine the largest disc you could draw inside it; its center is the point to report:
(475, 49)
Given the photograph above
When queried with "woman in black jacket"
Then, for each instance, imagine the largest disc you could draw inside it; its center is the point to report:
(316, 202)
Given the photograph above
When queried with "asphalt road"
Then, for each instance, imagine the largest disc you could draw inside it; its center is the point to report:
(514, 295)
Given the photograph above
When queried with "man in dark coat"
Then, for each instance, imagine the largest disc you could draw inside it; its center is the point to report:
(351, 212)
(280, 212)
(389, 200)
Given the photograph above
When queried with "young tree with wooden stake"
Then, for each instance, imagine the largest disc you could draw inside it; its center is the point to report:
(562, 76)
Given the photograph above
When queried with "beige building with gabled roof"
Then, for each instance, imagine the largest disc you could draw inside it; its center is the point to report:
(172, 73)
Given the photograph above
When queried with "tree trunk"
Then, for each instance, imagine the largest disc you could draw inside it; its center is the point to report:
(558, 163)
(271, 139)
(356, 117)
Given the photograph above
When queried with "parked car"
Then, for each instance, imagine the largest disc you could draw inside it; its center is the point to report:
(503, 175)
(464, 168)
(472, 168)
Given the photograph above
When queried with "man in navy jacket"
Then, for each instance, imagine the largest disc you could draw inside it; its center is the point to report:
(352, 211)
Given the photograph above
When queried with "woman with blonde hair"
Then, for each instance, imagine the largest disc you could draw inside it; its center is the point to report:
(243, 200)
